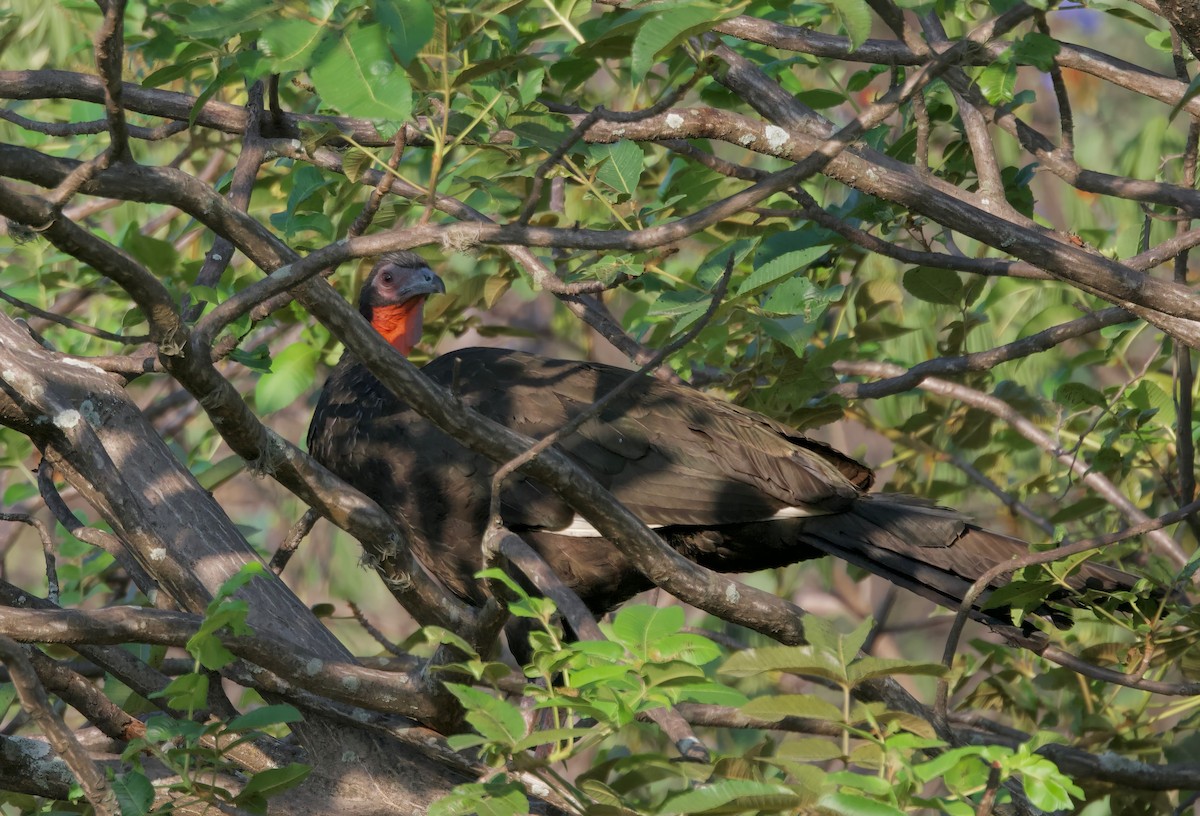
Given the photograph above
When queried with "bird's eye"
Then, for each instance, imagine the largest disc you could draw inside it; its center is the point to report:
(387, 277)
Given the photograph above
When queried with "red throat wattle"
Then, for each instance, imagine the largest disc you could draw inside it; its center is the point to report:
(400, 324)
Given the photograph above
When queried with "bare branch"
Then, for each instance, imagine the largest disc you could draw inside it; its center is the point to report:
(33, 699)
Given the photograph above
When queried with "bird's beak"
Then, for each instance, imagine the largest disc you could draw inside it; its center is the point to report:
(423, 282)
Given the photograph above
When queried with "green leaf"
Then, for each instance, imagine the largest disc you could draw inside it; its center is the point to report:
(355, 162)
(933, 285)
(695, 649)
(778, 706)
(173, 72)
(272, 781)
(851, 804)
(1077, 395)
(1087, 506)
(855, 17)
(1019, 595)
(134, 793)
(497, 720)
(821, 98)
(216, 474)
(666, 29)
(621, 168)
(749, 795)
(1036, 49)
(809, 749)
(187, 692)
(997, 82)
(160, 256)
(409, 25)
(246, 574)
(357, 76)
(778, 257)
(553, 735)
(639, 627)
(792, 659)
(292, 374)
(496, 797)
(209, 652)
(290, 43)
(868, 668)
(278, 714)
(230, 18)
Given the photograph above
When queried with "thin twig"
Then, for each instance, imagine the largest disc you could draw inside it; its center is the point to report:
(91, 535)
(1008, 567)
(48, 549)
(600, 113)
(35, 702)
(371, 630)
(126, 339)
(289, 545)
(1095, 480)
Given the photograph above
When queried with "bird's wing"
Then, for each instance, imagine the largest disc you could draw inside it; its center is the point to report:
(674, 456)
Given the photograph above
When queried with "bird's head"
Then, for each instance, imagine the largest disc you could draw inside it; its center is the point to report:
(393, 297)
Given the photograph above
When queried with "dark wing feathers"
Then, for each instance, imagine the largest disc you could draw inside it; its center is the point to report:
(710, 474)
(672, 455)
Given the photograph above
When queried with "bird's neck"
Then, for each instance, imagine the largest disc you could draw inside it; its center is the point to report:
(400, 325)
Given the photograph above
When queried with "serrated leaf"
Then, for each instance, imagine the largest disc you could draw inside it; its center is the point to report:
(409, 25)
(272, 781)
(809, 749)
(622, 166)
(1019, 594)
(792, 659)
(997, 82)
(855, 17)
(292, 373)
(135, 793)
(1036, 49)
(220, 472)
(639, 627)
(1081, 508)
(187, 692)
(932, 285)
(778, 257)
(778, 706)
(230, 18)
(1077, 395)
(749, 794)
(821, 98)
(553, 735)
(666, 29)
(497, 720)
(355, 162)
(209, 652)
(868, 668)
(852, 804)
(279, 714)
(290, 43)
(695, 649)
(357, 76)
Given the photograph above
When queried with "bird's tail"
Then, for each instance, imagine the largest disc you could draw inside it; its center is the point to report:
(932, 551)
(935, 552)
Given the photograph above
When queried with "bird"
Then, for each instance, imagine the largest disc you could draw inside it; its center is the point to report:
(729, 488)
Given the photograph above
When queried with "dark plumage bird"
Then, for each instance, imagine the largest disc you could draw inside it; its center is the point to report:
(730, 489)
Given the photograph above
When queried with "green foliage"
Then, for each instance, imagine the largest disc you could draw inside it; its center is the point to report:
(649, 663)
(196, 752)
(492, 90)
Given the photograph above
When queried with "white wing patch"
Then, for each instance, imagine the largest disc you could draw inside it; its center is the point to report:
(582, 528)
